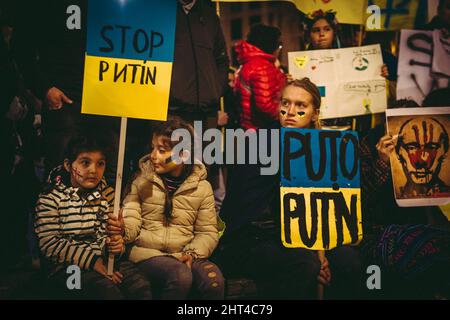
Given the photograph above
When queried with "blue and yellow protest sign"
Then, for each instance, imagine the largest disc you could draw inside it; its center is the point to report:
(347, 11)
(128, 65)
(320, 189)
(398, 14)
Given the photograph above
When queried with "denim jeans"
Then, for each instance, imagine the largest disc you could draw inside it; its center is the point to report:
(174, 280)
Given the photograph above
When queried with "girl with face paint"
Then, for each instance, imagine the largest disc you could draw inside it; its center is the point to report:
(300, 104)
(299, 108)
(170, 220)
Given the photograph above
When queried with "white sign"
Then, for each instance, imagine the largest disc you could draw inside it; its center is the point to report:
(441, 53)
(349, 79)
(417, 60)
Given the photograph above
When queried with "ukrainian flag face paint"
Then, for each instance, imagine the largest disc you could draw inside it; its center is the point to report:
(296, 109)
(170, 163)
(161, 156)
(300, 114)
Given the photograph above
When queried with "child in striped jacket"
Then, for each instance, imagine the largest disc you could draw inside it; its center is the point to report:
(70, 223)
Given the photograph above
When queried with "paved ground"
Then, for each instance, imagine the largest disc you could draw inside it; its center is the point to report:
(24, 281)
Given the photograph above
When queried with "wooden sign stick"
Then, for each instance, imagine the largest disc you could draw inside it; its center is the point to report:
(118, 189)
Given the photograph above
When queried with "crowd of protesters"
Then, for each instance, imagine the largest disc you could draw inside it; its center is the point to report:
(169, 238)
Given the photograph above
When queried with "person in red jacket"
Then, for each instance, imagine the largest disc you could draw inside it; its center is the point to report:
(259, 81)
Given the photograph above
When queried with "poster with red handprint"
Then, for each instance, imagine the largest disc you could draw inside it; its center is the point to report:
(420, 162)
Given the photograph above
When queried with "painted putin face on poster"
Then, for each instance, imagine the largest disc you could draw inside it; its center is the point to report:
(421, 148)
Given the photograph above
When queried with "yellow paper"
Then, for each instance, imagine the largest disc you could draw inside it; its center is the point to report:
(347, 11)
(351, 12)
(300, 62)
(290, 227)
(141, 89)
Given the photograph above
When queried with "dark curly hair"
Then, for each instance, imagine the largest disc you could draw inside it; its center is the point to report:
(87, 141)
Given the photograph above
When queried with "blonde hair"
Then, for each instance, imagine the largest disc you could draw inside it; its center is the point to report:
(312, 89)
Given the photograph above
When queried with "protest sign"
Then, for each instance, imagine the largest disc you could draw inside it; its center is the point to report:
(128, 66)
(351, 13)
(397, 14)
(420, 162)
(129, 57)
(349, 79)
(420, 54)
(441, 53)
(320, 189)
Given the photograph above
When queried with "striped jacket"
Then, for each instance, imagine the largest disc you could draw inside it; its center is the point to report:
(71, 229)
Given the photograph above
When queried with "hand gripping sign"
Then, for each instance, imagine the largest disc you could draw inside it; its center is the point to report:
(128, 65)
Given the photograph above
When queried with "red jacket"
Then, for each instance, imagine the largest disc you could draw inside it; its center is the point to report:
(258, 85)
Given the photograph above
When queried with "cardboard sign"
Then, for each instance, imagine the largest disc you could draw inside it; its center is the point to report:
(351, 13)
(397, 14)
(320, 189)
(349, 79)
(422, 65)
(441, 53)
(128, 66)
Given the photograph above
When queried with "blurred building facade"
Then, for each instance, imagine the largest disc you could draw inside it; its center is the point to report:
(237, 18)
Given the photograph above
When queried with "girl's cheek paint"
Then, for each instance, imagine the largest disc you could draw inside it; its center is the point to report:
(170, 163)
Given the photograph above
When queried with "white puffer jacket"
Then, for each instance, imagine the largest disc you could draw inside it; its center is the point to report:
(192, 228)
